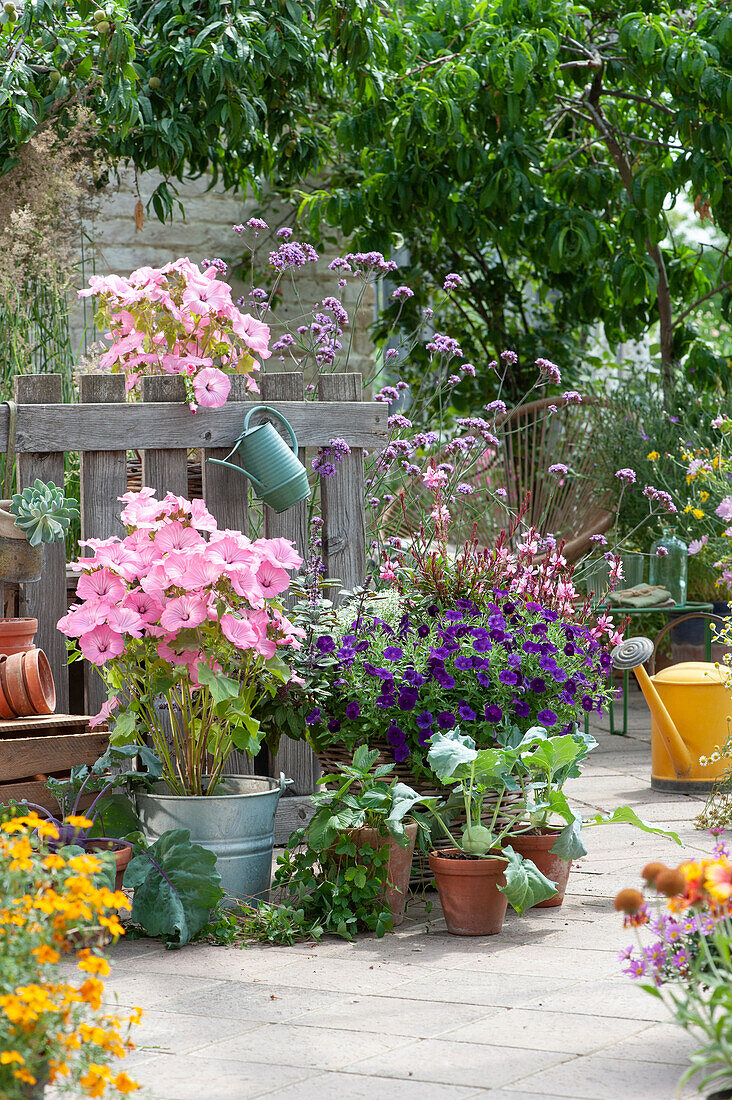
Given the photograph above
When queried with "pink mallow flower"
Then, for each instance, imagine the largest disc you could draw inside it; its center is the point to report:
(100, 644)
(101, 584)
(104, 713)
(184, 612)
(211, 387)
(271, 579)
(239, 631)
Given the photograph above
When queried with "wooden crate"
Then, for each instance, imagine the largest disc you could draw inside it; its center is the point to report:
(32, 749)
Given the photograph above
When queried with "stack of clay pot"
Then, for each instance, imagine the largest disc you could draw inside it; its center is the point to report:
(26, 681)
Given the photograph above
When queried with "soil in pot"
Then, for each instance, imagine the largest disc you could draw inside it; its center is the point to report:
(16, 635)
(398, 869)
(468, 888)
(536, 847)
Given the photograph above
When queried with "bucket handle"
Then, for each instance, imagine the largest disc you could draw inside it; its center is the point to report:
(278, 416)
(285, 782)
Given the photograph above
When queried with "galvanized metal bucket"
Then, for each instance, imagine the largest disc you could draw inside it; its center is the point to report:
(272, 466)
(236, 824)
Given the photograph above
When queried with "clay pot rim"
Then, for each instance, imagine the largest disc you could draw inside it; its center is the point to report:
(470, 865)
(38, 677)
(19, 687)
(5, 621)
(4, 701)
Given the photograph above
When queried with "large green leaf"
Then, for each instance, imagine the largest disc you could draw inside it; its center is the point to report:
(176, 886)
(525, 884)
(448, 751)
(623, 815)
(569, 844)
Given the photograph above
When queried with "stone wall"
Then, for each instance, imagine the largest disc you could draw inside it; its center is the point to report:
(119, 247)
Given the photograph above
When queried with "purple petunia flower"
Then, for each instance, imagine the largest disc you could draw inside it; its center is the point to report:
(401, 753)
(508, 676)
(445, 720)
(466, 713)
(521, 709)
(353, 710)
(314, 716)
(547, 717)
(393, 653)
(424, 719)
(537, 685)
(492, 712)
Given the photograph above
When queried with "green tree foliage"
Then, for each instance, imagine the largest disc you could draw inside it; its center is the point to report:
(184, 85)
(537, 147)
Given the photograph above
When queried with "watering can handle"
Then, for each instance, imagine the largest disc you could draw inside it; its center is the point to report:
(278, 416)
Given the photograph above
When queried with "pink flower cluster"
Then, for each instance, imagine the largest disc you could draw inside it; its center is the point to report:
(181, 320)
(175, 584)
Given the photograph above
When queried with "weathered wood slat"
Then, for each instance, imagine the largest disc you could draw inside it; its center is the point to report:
(23, 757)
(103, 481)
(35, 791)
(342, 496)
(44, 724)
(48, 427)
(224, 491)
(295, 758)
(45, 599)
(165, 469)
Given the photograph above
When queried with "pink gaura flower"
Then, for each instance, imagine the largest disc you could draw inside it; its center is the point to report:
(102, 583)
(101, 644)
(211, 387)
(271, 579)
(183, 612)
(239, 631)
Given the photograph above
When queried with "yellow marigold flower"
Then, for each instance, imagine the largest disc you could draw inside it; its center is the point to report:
(78, 822)
(54, 862)
(24, 1075)
(698, 513)
(57, 1069)
(689, 508)
(47, 829)
(653, 456)
(124, 1083)
(136, 1015)
(703, 496)
(95, 1080)
(15, 825)
(96, 1035)
(113, 925)
(46, 954)
(9, 1056)
(86, 864)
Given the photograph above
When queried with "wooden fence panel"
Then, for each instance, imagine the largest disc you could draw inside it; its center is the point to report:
(295, 758)
(103, 481)
(165, 469)
(224, 491)
(45, 599)
(342, 496)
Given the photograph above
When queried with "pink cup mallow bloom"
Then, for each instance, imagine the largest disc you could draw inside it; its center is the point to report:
(184, 612)
(174, 536)
(103, 583)
(211, 387)
(271, 579)
(104, 713)
(100, 644)
(239, 631)
(280, 552)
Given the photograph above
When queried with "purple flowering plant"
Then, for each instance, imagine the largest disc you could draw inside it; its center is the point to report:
(496, 670)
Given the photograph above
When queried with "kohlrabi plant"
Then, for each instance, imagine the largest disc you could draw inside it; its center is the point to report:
(43, 512)
(473, 772)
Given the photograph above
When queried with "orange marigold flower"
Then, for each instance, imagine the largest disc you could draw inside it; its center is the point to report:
(54, 861)
(24, 1075)
(95, 964)
(91, 992)
(9, 1056)
(78, 822)
(46, 954)
(95, 1079)
(124, 1083)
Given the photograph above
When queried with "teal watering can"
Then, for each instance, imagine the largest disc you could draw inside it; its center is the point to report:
(276, 473)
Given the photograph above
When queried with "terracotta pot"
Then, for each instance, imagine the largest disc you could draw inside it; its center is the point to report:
(398, 869)
(13, 682)
(535, 846)
(468, 888)
(39, 681)
(16, 635)
(122, 856)
(6, 711)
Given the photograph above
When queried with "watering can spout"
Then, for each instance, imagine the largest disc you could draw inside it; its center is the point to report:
(632, 654)
(259, 488)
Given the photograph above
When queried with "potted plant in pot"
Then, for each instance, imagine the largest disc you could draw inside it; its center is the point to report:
(184, 624)
(481, 873)
(40, 514)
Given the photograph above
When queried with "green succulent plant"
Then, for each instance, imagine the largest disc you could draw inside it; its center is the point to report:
(43, 512)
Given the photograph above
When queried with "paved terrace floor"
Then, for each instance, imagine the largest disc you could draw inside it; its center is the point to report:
(540, 1010)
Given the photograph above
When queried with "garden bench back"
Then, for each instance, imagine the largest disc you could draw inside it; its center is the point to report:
(102, 428)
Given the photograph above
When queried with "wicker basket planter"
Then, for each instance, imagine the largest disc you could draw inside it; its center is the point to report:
(337, 755)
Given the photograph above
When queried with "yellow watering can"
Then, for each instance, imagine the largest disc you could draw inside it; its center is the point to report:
(690, 704)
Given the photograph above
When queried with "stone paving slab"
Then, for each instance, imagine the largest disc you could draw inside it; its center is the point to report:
(540, 1011)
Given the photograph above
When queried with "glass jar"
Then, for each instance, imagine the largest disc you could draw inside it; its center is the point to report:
(668, 567)
(633, 568)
